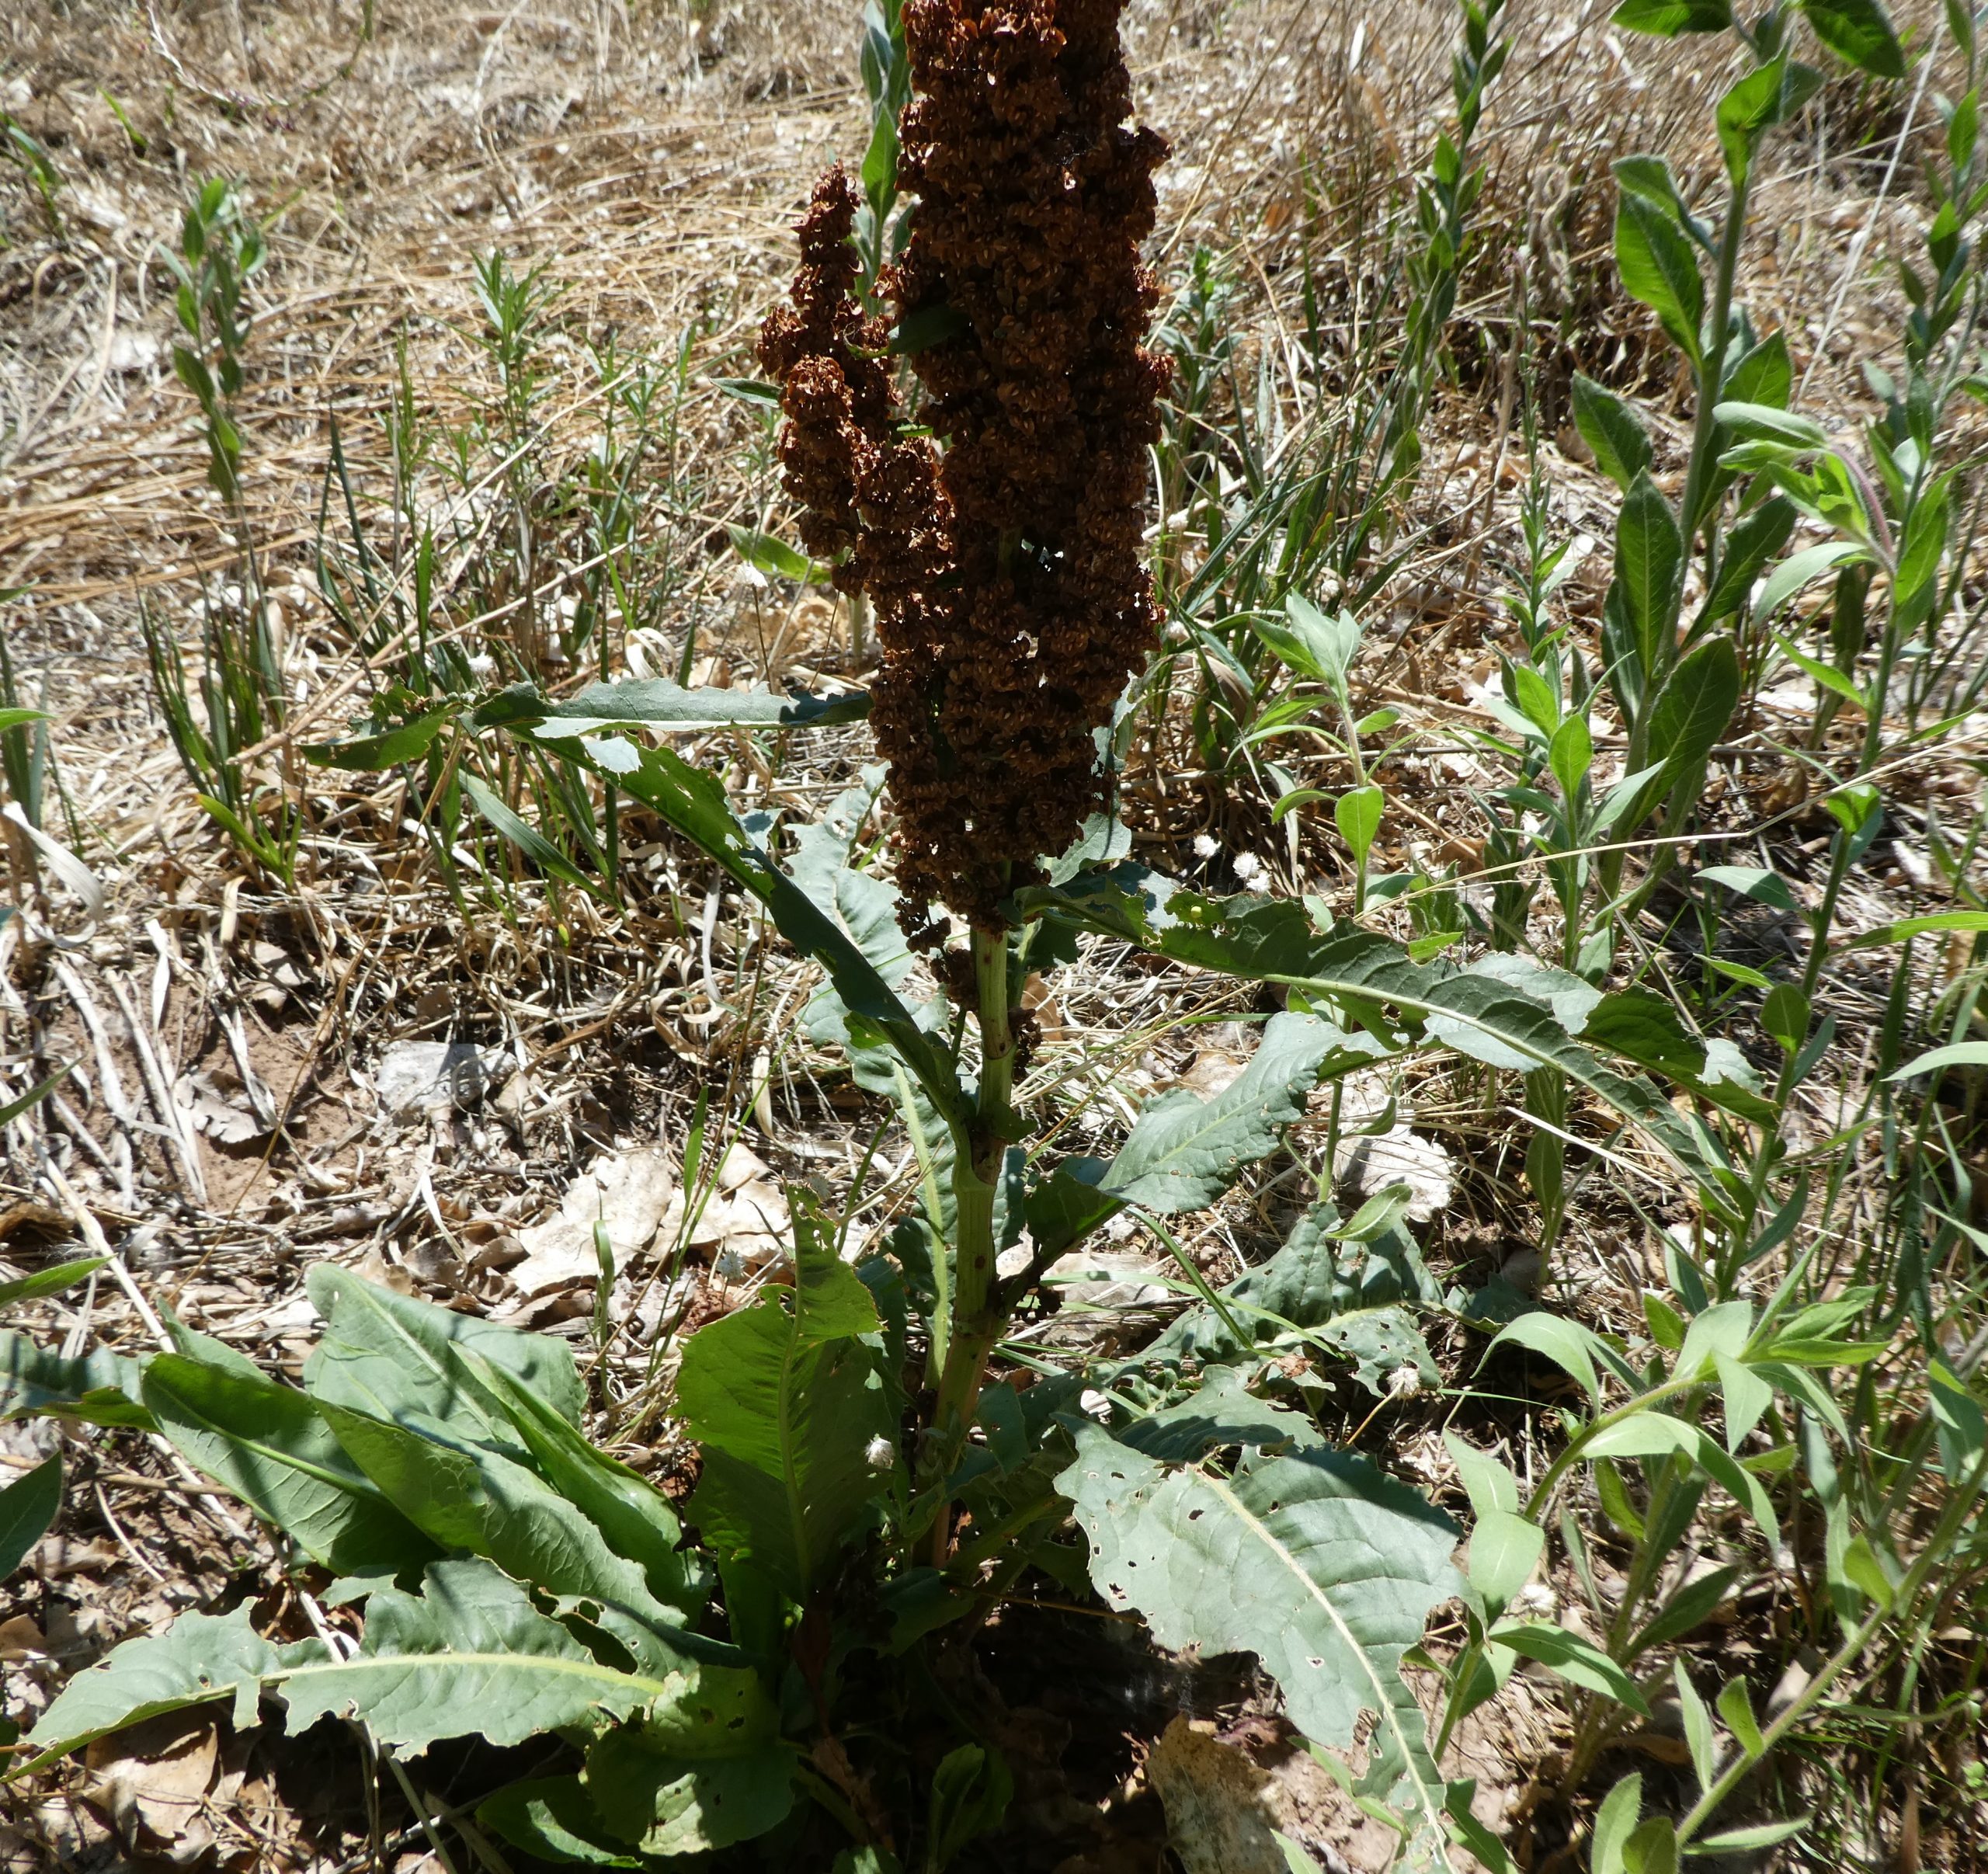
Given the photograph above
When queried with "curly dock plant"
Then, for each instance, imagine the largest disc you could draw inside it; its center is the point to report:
(882, 1456)
(1005, 566)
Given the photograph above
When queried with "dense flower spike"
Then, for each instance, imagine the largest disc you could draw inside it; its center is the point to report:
(1010, 598)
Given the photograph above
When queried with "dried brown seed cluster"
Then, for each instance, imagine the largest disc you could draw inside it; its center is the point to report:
(1010, 597)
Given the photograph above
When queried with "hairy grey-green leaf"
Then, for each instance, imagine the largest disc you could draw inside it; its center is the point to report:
(1322, 1567)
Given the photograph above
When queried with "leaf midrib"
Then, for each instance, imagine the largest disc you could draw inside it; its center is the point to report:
(1383, 1703)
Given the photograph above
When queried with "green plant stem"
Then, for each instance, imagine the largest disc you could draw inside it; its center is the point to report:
(977, 1318)
(1713, 384)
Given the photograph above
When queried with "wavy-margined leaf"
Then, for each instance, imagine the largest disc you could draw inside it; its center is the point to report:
(783, 1400)
(481, 1503)
(657, 703)
(1322, 1566)
(387, 1354)
(1508, 1020)
(266, 1443)
(27, 1507)
(1351, 1297)
(1183, 1152)
(632, 1514)
(469, 1657)
(554, 1818)
(99, 1387)
(694, 803)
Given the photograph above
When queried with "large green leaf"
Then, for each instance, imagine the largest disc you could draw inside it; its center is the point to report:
(1613, 430)
(1649, 565)
(1501, 1011)
(1654, 256)
(479, 1501)
(784, 1401)
(1860, 33)
(387, 1354)
(632, 1514)
(693, 802)
(1183, 1152)
(469, 1657)
(49, 1281)
(266, 1443)
(1317, 1562)
(700, 1776)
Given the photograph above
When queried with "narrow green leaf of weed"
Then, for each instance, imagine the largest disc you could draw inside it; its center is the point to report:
(27, 1507)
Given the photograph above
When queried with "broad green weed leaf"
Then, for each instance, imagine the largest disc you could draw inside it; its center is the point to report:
(200, 1658)
(98, 1387)
(1322, 1566)
(1658, 267)
(1649, 551)
(1736, 1706)
(552, 1818)
(1578, 1661)
(1613, 430)
(1859, 32)
(783, 1399)
(383, 1353)
(1504, 1550)
(267, 1444)
(469, 1498)
(632, 1514)
(1666, 19)
(1569, 1346)
(1804, 568)
(1756, 538)
(704, 1770)
(1698, 1735)
(1491, 1487)
(1613, 1822)
(657, 703)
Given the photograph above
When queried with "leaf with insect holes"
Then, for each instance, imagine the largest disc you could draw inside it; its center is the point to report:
(783, 1400)
(470, 1656)
(1354, 1299)
(27, 1507)
(1318, 1563)
(267, 1444)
